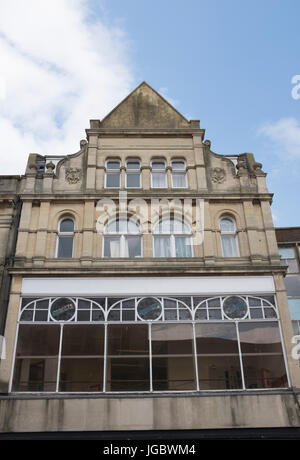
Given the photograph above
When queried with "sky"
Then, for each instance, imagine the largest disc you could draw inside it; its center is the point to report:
(233, 64)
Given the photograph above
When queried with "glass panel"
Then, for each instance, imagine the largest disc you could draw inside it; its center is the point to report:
(173, 373)
(172, 339)
(227, 225)
(158, 165)
(286, 253)
(264, 371)
(159, 180)
(162, 247)
(66, 225)
(292, 284)
(178, 165)
(292, 266)
(179, 180)
(294, 305)
(183, 246)
(132, 164)
(115, 164)
(81, 374)
(128, 374)
(111, 246)
(134, 246)
(112, 180)
(129, 339)
(262, 355)
(229, 246)
(128, 358)
(36, 358)
(133, 180)
(65, 246)
(218, 356)
(27, 315)
(87, 340)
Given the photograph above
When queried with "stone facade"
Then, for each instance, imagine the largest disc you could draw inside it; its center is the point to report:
(146, 128)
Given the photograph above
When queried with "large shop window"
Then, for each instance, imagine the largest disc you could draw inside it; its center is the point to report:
(148, 344)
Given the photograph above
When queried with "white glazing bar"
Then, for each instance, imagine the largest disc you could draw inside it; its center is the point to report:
(59, 357)
(150, 355)
(14, 358)
(105, 353)
(195, 357)
(240, 354)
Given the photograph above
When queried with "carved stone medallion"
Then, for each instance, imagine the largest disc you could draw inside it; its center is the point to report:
(73, 175)
(218, 175)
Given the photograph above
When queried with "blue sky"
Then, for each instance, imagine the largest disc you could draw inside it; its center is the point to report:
(228, 63)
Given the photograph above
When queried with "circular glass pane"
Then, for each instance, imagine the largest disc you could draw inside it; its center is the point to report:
(149, 308)
(235, 307)
(62, 309)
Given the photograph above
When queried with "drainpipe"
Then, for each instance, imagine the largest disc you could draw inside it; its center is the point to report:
(9, 263)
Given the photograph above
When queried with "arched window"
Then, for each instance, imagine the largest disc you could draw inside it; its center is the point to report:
(133, 174)
(179, 179)
(229, 237)
(172, 238)
(122, 238)
(158, 174)
(65, 238)
(113, 174)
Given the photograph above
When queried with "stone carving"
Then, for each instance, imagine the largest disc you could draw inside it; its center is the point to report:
(73, 175)
(218, 175)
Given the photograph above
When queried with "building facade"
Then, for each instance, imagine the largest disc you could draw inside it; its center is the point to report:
(147, 290)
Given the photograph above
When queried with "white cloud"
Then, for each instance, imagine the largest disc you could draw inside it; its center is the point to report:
(285, 136)
(58, 70)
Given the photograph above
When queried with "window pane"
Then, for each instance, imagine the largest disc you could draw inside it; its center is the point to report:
(218, 356)
(183, 247)
(172, 339)
(81, 340)
(286, 253)
(177, 165)
(66, 225)
(292, 284)
(128, 358)
(227, 225)
(133, 165)
(162, 246)
(113, 180)
(36, 358)
(158, 180)
(134, 246)
(294, 305)
(173, 373)
(179, 180)
(262, 355)
(111, 246)
(65, 246)
(128, 374)
(113, 165)
(133, 180)
(158, 165)
(129, 339)
(229, 245)
(81, 374)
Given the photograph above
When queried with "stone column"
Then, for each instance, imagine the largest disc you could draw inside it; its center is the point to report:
(41, 237)
(199, 161)
(23, 230)
(88, 233)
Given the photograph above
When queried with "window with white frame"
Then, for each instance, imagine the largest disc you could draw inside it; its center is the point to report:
(179, 178)
(65, 238)
(172, 238)
(113, 174)
(158, 174)
(288, 257)
(229, 237)
(148, 343)
(133, 174)
(122, 238)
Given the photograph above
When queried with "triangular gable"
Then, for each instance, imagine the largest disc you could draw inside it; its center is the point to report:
(144, 108)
